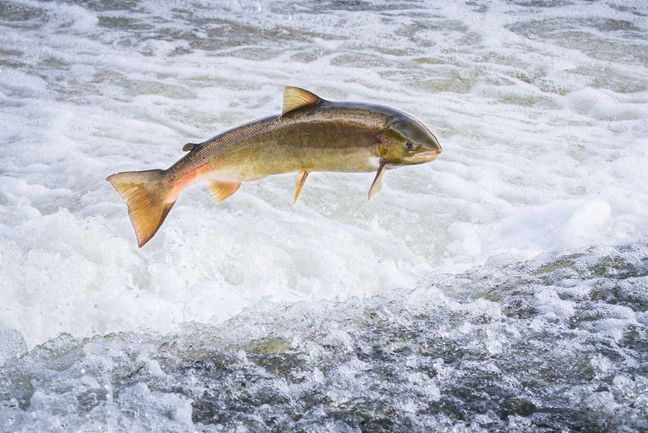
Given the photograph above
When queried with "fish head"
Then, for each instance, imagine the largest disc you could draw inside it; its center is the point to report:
(406, 141)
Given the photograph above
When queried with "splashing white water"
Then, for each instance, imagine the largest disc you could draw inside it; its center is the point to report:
(544, 132)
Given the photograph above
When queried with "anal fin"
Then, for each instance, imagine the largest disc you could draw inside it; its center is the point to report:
(300, 184)
(222, 190)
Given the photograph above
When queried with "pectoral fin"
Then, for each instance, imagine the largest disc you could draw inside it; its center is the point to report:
(300, 183)
(222, 190)
(378, 180)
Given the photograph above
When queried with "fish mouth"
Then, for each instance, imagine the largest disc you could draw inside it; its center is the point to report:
(421, 157)
(427, 156)
(433, 154)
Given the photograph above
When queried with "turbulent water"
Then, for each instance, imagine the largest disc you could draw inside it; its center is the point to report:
(503, 287)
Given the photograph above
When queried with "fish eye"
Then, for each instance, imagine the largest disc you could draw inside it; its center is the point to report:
(409, 146)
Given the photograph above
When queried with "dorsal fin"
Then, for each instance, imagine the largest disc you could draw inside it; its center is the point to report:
(295, 98)
(190, 146)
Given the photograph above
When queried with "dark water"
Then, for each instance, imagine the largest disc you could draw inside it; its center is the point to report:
(550, 345)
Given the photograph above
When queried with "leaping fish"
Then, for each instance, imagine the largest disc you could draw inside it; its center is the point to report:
(311, 134)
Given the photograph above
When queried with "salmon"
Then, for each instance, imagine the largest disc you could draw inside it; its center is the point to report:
(310, 135)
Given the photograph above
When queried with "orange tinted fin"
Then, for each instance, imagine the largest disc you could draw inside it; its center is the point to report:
(378, 180)
(222, 190)
(300, 184)
(295, 98)
(145, 193)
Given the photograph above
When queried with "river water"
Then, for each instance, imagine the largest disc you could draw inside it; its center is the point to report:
(503, 287)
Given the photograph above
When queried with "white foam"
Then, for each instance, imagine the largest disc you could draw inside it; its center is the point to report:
(544, 141)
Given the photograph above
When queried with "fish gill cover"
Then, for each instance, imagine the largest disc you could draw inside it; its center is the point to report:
(502, 288)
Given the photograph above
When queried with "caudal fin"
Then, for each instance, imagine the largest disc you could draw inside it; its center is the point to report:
(145, 193)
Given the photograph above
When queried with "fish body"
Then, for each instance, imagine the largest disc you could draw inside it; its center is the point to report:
(311, 135)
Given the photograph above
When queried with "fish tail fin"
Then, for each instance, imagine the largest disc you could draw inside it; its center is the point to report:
(146, 194)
